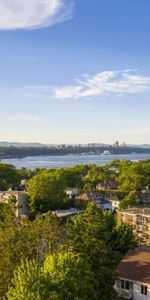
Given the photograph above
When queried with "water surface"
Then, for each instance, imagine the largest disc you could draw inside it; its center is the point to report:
(69, 160)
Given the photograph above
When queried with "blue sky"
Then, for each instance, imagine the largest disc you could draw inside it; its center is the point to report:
(75, 71)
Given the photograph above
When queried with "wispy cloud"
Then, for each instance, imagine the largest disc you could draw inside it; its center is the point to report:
(104, 83)
(27, 14)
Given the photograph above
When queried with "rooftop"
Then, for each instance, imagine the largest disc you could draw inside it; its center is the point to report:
(65, 212)
(135, 266)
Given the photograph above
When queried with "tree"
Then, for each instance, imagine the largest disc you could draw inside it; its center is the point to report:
(95, 236)
(71, 275)
(132, 176)
(8, 176)
(64, 276)
(89, 237)
(123, 239)
(46, 192)
(21, 239)
(27, 283)
(131, 200)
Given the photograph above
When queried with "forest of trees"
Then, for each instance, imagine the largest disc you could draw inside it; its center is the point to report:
(43, 259)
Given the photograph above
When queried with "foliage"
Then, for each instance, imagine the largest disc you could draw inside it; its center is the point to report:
(64, 276)
(89, 237)
(46, 192)
(95, 236)
(131, 200)
(123, 238)
(22, 239)
(28, 283)
(8, 176)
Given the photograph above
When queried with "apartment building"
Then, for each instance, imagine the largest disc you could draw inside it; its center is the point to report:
(139, 218)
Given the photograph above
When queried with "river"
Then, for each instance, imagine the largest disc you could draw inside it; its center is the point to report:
(51, 162)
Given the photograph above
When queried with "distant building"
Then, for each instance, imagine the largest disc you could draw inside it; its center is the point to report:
(116, 144)
(139, 218)
(95, 196)
(134, 276)
(72, 192)
(24, 183)
(107, 184)
(21, 201)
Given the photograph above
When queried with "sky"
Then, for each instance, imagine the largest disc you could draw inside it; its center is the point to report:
(75, 71)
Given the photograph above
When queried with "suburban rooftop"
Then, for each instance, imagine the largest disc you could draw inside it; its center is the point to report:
(135, 266)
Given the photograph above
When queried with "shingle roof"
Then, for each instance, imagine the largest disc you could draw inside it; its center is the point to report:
(135, 266)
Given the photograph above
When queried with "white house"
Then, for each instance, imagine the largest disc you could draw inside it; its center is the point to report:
(72, 192)
(134, 275)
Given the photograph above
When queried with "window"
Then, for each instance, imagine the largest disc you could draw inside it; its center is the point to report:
(143, 289)
(125, 285)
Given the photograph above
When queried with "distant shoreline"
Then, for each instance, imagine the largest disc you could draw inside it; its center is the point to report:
(23, 152)
(71, 154)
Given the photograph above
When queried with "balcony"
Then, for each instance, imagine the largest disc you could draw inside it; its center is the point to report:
(127, 294)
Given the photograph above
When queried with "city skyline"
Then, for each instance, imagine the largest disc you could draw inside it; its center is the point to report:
(75, 71)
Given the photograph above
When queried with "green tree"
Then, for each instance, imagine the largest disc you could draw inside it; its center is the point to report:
(95, 236)
(22, 239)
(64, 276)
(72, 277)
(28, 283)
(89, 237)
(8, 176)
(46, 192)
(131, 200)
(123, 239)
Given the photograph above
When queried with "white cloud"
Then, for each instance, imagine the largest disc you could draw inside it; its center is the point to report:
(27, 14)
(104, 83)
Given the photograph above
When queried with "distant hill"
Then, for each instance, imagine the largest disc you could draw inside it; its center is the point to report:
(20, 145)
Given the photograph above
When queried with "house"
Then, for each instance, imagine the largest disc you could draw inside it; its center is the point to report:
(95, 196)
(72, 192)
(21, 206)
(139, 218)
(107, 184)
(134, 276)
(24, 184)
(115, 203)
(89, 196)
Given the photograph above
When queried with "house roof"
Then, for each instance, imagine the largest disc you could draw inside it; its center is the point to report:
(135, 266)
(65, 212)
(89, 196)
(103, 201)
